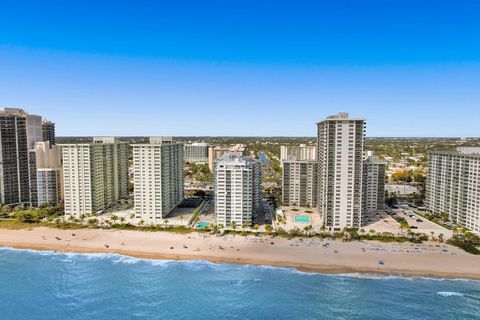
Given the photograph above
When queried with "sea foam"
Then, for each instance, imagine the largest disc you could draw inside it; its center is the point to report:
(449, 294)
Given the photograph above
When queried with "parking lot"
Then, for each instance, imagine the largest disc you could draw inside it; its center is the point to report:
(384, 222)
(419, 224)
(381, 222)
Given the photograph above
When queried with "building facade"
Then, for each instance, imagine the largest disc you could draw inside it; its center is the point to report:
(373, 184)
(453, 186)
(95, 175)
(45, 175)
(217, 152)
(237, 190)
(299, 183)
(48, 132)
(158, 179)
(196, 153)
(34, 129)
(340, 167)
(14, 163)
(300, 152)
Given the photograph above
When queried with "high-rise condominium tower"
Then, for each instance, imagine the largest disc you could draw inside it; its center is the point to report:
(453, 186)
(300, 152)
(237, 190)
(158, 178)
(95, 175)
(19, 131)
(217, 152)
(373, 184)
(48, 131)
(14, 174)
(196, 153)
(340, 166)
(299, 183)
(46, 175)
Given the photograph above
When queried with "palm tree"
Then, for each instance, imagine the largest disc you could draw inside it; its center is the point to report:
(468, 237)
(234, 225)
(214, 227)
(93, 222)
(441, 237)
(307, 229)
(455, 231)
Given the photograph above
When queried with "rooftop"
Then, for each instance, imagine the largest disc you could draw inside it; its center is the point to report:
(341, 116)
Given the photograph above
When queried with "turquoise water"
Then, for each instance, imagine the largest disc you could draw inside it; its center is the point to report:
(202, 225)
(302, 219)
(47, 285)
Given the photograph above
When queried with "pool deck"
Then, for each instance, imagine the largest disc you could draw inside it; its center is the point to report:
(302, 218)
(292, 222)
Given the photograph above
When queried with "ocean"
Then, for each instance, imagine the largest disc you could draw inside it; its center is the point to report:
(48, 285)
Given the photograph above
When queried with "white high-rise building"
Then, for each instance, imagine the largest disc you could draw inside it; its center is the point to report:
(95, 175)
(340, 166)
(237, 190)
(196, 153)
(46, 174)
(373, 184)
(453, 186)
(299, 183)
(300, 152)
(158, 179)
(217, 152)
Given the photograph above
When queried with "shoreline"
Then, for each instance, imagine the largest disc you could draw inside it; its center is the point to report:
(248, 252)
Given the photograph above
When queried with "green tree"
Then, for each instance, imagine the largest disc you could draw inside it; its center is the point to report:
(268, 228)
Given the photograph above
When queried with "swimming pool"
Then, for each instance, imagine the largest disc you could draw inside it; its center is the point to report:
(202, 225)
(305, 219)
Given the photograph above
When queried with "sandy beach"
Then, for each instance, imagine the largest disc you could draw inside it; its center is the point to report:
(312, 255)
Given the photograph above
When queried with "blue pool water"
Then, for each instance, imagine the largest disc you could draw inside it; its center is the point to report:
(47, 285)
(202, 225)
(302, 219)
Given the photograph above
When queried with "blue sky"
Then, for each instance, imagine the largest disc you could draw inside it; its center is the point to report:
(242, 67)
